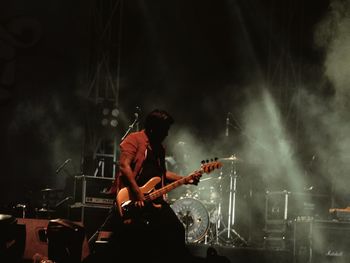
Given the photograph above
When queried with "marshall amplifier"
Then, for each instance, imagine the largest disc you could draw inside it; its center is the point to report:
(93, 190)
(321, 241)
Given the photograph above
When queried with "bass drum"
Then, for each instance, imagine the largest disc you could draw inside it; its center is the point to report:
(194, 216)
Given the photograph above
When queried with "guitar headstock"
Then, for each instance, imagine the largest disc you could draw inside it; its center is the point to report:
(209, 166)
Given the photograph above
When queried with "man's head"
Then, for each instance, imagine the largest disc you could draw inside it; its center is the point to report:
(157, 124)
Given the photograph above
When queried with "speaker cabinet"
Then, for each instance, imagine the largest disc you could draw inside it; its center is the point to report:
(321, 241)
(36, 238)
(92, 216)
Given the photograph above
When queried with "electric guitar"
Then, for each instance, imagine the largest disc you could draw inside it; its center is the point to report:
(124, 200)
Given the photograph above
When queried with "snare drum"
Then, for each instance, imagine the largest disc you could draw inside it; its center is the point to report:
(194, 216)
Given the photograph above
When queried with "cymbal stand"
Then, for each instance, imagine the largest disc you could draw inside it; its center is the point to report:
(229, 233)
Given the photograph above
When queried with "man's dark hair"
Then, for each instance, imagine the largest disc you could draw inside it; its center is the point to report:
(158, 119)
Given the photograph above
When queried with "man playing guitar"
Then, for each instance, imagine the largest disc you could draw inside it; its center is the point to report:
(151, 231)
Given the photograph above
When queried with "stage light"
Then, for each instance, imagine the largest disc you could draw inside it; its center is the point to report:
(115, 112)
(114, 123)
(105, 111)
(104, 122)
(108, 114)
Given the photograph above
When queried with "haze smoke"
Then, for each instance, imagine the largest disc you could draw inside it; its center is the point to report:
(333, 36)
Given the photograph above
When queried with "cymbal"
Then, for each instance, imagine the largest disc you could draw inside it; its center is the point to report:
(44, 210)
(47, 190)
(232, 158)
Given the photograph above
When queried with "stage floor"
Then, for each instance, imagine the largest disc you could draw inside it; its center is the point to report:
(219, 253)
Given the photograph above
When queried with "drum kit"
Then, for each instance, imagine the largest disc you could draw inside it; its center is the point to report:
(47, 208)
(208, 212)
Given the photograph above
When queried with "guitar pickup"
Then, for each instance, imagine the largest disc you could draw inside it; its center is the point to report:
(125, 204)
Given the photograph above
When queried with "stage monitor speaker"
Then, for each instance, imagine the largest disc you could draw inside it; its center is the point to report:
(66, 239)
(35, 237)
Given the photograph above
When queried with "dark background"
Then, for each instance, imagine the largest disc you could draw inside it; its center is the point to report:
(200, 60)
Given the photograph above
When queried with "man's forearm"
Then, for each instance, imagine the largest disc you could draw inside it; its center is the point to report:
(171, 176)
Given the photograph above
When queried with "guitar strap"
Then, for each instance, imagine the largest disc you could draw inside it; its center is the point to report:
(153, 164)
(161, 164)
(137, 173)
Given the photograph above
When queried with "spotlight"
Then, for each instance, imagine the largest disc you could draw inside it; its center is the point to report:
(114, 123)
(105, 111)
(115, 112)
(108, 114)
(104, 122)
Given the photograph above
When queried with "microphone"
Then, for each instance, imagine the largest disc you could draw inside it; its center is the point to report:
(63, 201)
(62, 165)
(136, 121)
(227, 125)
(136, 114)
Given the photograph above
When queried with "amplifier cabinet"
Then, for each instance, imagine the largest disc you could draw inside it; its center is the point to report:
(276, 206)
(285, 206)
(308, 205)
(321, 241)
(91, 216)
(92, 190)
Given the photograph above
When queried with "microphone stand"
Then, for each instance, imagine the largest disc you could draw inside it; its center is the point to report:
(131, 126)
(62, 165)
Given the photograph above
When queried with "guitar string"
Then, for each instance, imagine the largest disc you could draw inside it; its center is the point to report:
(205, 169)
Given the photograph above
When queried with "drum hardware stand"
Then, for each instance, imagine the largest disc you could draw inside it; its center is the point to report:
(23, 208)
(187, 220)
(217, 225)
(212, 236)
(231, 235)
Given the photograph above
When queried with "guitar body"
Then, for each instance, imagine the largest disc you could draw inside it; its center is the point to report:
(124, 197)
(125, 200)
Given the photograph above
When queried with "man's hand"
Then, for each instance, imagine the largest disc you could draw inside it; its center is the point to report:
(125, 168)
(171, 176)
(139, 198)
(195, 178)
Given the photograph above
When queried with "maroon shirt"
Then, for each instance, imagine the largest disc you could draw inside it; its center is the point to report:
(137, 147)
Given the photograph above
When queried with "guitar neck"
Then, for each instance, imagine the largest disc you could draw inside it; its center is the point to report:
(159, 192)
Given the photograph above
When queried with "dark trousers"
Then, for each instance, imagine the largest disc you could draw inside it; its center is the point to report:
(160, 238)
